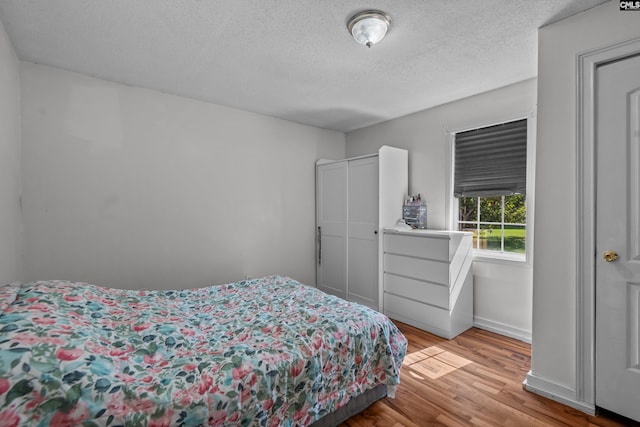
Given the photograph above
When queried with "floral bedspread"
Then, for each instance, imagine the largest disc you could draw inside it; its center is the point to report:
(264, 352)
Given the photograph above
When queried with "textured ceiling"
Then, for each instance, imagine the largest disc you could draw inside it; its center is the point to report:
(292, 59)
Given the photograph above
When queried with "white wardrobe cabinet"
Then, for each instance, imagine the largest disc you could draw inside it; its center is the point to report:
(355, 199)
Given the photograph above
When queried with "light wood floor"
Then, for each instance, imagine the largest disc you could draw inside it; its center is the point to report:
(474, 379)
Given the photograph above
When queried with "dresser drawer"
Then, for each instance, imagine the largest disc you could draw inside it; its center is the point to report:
(431, 318)
(417, 268)
(429, 293)
(431, 247)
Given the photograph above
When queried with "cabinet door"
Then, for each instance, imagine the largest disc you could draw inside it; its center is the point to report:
(363, 231)
(331, 219)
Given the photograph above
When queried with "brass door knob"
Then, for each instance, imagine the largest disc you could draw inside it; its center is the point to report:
(609, 256)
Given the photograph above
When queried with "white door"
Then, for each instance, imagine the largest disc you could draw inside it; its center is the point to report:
(618, 231)
(363, 232)
(331, 232)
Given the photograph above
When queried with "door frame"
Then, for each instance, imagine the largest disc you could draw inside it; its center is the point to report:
(587, 64)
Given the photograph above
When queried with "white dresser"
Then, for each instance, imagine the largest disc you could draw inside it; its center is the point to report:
(428, 279)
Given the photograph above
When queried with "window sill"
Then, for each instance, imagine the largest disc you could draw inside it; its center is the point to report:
(499, 257)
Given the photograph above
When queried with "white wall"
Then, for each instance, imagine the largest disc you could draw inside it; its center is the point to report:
(10, 221)
(553, 367)
(502, 300)
(129, 187)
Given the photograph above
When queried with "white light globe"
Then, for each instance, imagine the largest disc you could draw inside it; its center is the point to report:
(369, 27)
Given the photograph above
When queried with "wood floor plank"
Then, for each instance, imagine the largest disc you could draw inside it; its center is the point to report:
(473, 380)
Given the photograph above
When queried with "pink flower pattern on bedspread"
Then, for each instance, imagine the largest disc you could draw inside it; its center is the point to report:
(265, 352)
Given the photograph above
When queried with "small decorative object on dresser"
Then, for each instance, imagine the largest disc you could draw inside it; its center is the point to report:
(428, 279)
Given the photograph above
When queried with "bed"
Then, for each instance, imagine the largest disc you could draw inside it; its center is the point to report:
(263, 352)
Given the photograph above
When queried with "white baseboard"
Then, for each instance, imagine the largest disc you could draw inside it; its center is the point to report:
(557, 392)
(502, 329)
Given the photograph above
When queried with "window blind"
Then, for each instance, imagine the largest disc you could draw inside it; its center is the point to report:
(491, 161)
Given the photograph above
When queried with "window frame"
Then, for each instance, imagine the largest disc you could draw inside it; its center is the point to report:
(452, 202)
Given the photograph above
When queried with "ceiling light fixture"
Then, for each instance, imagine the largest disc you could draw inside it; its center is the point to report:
(369, 27)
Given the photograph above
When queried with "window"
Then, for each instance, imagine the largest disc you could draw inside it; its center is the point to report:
(498, 225)
(490, 183)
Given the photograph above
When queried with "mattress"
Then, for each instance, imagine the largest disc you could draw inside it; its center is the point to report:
(264, 352)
